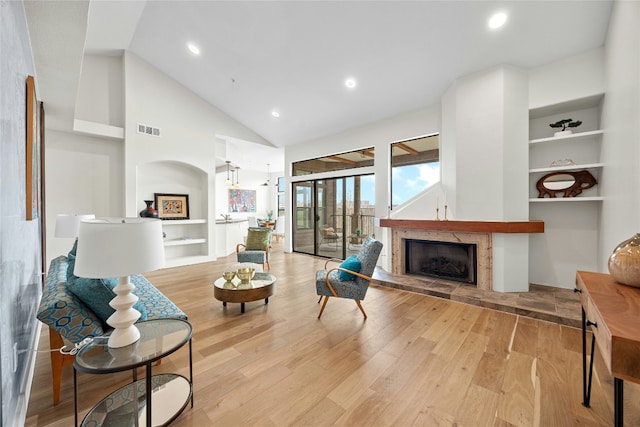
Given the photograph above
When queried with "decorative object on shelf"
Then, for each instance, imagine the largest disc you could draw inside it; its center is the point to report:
(570, 184)
(120, 247)
(624, 262)
(149, 211)
(172, 206)
(242, 200)
(559, 163)
(270, 215)
(564, 124)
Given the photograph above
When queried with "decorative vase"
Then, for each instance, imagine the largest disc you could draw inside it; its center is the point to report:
(624, 262)
(149, 211)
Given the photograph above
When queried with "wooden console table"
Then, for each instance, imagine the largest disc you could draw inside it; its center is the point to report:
(612, 312)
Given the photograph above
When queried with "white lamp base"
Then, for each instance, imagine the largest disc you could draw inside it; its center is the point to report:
(122, 320)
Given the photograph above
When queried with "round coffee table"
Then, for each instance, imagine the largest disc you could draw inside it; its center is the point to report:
(260, 287)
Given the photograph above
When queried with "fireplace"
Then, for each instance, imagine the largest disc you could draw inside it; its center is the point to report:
(442, 260)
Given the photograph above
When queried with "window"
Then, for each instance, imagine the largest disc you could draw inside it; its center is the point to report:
(335, 162)
(415, 166)
(280, 201)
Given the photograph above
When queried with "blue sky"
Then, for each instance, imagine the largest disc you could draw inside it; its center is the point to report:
(407, 181)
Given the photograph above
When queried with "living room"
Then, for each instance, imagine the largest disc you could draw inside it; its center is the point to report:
(468, 111)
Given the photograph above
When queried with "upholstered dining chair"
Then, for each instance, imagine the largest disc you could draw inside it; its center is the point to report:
(278, 230)
(253, 222)
(257, 247)
(351, 279)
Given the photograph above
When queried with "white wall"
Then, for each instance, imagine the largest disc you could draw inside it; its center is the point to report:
(189, 126)
(84, 175)
(100, 91)
(572, 78)
(484, 161)
(621, 141)
(20, 251)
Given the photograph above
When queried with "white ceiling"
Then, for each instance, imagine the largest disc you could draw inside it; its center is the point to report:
(293, 56)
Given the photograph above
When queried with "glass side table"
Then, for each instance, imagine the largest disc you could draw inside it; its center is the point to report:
(129, 406)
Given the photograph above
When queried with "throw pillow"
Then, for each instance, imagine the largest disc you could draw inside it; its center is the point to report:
(258, 239)
(97, 293)
(71, 261)
(352, 263)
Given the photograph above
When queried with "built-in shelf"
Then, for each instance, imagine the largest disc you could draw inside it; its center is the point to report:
(182, 242)
(574, 137)
(590, 101)
(183, 221)
(567, 168)
(566, 199)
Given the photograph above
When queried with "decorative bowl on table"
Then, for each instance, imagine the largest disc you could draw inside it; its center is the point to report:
(245, 274)
(228, 275)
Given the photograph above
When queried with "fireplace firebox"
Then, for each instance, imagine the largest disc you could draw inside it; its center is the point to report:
(441, 260)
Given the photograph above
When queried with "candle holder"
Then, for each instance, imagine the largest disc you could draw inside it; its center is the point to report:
(437, 214)
(445, 213)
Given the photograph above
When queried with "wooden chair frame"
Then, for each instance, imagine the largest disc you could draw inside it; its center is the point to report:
(333, 291)
(267, 249)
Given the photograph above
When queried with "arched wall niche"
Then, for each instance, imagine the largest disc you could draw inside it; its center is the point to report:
(173, 177)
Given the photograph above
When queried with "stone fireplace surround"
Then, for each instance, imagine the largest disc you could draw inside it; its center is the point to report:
(484, 258)
(479, 233)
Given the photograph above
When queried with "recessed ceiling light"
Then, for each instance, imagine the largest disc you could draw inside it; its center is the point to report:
(275, 114)
(193, 48)
(497, 20)
(350, 83)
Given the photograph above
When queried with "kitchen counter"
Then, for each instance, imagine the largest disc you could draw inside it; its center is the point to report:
(228, 234)
(230, 221)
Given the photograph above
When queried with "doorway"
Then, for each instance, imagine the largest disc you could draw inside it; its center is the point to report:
(332, 217)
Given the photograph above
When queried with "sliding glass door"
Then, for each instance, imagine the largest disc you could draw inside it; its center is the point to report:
(332, 216)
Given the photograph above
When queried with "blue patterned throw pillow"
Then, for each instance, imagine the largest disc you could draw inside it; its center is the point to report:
(352, 263)
(96, 293)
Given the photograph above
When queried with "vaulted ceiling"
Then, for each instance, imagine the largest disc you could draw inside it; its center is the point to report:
(293, 57)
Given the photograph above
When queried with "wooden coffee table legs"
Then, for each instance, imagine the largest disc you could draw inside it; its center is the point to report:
(224, 304)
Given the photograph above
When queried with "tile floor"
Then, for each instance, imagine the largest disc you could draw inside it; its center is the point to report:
(541, 302)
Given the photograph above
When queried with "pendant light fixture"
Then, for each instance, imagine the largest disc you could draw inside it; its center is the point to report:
(266, 183)
(228, 182)
(237, 184)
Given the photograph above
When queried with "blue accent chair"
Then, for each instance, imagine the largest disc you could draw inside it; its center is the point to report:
(329, 284)
(257, 247)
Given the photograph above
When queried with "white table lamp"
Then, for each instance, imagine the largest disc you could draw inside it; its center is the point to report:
(68, 225)
(120, 247)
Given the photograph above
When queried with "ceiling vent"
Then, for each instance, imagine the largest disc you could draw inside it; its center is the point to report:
(148, 130)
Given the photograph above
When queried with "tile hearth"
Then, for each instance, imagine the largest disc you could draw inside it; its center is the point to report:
(541, 302)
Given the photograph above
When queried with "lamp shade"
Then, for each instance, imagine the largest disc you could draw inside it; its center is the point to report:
(110, 247)
(68, 225)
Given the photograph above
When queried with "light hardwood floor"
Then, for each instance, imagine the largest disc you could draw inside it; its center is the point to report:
(417, 360)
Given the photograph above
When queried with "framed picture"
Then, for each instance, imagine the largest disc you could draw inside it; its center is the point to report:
(32, 184)
(242, 200)
(172, 206)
